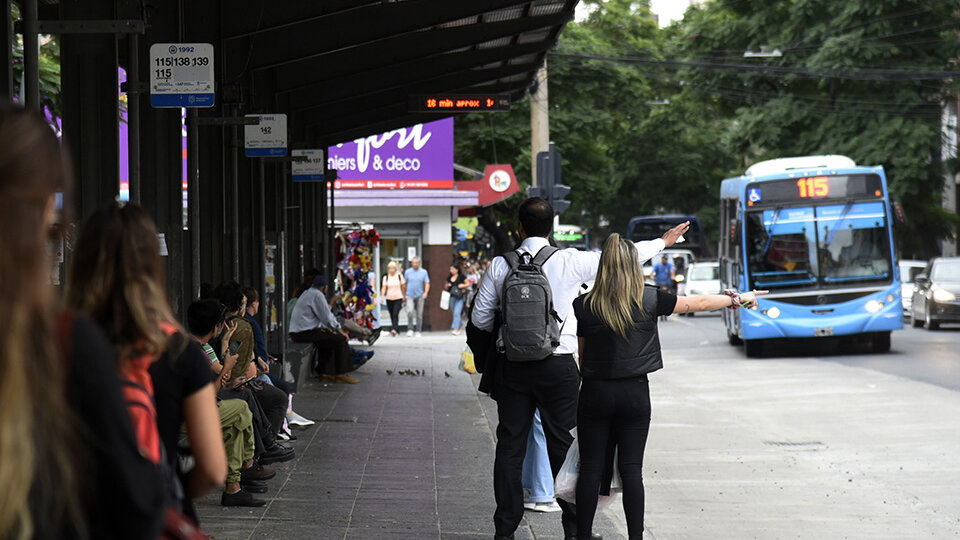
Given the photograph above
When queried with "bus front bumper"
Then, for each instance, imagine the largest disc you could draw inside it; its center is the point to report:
(849, 318)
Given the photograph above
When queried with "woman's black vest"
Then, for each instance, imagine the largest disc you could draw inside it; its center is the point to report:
(607, 355)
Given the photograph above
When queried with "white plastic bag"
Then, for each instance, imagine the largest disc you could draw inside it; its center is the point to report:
(565, 484)
(445, 300)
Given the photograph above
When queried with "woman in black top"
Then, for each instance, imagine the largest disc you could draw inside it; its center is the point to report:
(456, 285)
(619, 345)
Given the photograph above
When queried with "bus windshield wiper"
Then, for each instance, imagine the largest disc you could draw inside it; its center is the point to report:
(843, 215)
(773, 223)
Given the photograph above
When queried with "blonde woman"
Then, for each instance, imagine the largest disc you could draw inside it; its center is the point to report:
(393, 290)
(619, 346)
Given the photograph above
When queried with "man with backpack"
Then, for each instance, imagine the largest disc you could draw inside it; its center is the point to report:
(523, 312)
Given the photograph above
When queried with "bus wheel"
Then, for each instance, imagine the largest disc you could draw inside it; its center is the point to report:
(753, 347)
(734, 339)
(881, 342)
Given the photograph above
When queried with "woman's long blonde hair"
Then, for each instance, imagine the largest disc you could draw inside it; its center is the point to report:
(619, 285)
(38, 487)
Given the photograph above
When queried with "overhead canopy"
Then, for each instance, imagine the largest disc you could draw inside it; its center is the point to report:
(344, 69)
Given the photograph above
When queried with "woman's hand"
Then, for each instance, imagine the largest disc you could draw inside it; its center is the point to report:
(231, 328)
(749, 299)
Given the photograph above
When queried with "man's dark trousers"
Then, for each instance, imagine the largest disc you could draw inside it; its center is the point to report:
(552, 385)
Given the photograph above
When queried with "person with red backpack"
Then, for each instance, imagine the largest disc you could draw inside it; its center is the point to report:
(117, 279)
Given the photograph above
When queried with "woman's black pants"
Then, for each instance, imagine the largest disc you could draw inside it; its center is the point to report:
(612, 412)
(394, 307)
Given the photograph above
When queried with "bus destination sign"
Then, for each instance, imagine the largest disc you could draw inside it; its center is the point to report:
(442, 103)
(814, 188)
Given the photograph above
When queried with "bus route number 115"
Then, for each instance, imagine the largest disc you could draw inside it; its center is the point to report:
(817, 186)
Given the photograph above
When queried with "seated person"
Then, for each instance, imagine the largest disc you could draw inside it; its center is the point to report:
(313, 322)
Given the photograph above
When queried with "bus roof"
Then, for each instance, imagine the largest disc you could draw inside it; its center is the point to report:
(772, 166)
(734, 187)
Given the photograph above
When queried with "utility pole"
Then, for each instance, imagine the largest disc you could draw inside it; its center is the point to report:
(539, 120)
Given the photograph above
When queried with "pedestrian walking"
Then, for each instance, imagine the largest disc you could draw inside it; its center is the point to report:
(418, 287)
(619, 345)
(550, 382)
(457, 286)
(393, 289)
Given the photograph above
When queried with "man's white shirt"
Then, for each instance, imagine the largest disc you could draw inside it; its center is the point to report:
(566, 270)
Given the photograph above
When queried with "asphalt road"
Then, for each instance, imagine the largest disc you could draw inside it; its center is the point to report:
(915, 353)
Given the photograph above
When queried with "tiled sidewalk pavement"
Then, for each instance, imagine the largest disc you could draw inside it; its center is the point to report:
(395, 456)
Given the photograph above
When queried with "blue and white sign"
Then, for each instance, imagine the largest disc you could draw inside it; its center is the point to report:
(268, 138)
(753, 195)
(310, 170)
(181, 75)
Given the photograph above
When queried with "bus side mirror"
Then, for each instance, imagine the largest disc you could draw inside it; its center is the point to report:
(899, 216)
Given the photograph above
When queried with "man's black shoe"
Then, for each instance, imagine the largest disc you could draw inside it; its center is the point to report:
(254, 486)
(374, 336)
(257, 472)
(277, 454)
(240, 498)
(594, 536)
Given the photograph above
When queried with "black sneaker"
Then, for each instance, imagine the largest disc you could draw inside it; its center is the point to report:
(374, 336)
(257, 472)
(254, 486)
(277, 454)
(240, 498)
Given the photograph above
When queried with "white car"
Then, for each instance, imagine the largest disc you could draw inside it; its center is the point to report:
(701, 278)
(909, 270)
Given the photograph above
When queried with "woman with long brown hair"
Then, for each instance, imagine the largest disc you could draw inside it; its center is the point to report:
(619, 346)
(117, 279)
(70, 466)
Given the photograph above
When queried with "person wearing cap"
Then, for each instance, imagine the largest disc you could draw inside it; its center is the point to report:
(312, 321)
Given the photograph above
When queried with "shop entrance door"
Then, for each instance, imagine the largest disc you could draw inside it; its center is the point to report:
(399, 242)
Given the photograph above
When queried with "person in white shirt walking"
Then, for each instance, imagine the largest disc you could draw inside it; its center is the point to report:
(551, 384)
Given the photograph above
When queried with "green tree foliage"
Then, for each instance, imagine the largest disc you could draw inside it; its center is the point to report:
(853, 79)
(864, 78)
(49, 69)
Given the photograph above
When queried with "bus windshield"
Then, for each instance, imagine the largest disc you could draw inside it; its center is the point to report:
(826, 245)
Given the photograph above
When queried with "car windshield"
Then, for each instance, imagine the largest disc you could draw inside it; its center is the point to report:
(946, 271)
(908, 273)
(832, 244)
(704, 273)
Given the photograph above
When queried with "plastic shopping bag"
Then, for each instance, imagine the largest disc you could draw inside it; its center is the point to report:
(565, 484)
(445, 300)
(466, 361)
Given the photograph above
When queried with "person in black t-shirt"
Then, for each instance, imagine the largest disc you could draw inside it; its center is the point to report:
(619, 346)
(117, 278)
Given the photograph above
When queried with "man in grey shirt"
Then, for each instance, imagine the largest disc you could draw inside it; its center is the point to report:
(313, 322)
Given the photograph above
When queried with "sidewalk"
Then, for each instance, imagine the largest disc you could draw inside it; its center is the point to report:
(395, 456)
(738, 448)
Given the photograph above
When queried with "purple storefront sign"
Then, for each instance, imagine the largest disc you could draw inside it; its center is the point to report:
(420, 156)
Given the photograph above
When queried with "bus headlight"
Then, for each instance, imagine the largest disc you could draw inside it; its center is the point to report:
(943, 295)
(873, 306)
(891, 298)
(773, 312)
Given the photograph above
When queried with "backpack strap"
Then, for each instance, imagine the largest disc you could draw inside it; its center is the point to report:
(545, 253)
(512, 257)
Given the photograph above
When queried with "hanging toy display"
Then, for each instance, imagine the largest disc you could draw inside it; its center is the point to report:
(355, 262)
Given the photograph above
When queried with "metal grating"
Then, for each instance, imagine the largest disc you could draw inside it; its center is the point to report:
(495, 43)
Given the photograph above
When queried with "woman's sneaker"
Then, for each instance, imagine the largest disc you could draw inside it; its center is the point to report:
(551, 506)
(295, 420)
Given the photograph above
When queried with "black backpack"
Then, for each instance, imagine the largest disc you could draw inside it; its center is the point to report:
(530, 328)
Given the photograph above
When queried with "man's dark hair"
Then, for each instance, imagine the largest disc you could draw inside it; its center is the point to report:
(251, 294)
(230, 295)
(536, 216)
(203, 316)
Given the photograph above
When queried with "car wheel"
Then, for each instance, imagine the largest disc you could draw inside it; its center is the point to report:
(931, 324)
(917, 322)
(880, 343)
(734, 339)
(753, 348)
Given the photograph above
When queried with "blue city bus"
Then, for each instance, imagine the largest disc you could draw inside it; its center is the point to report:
(652, 227)
(816, 232)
